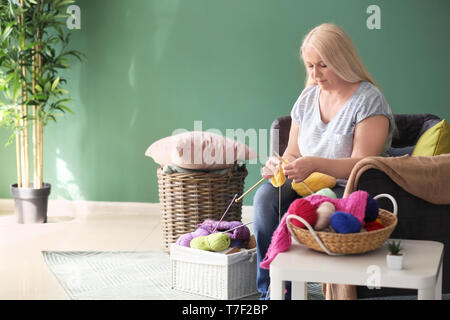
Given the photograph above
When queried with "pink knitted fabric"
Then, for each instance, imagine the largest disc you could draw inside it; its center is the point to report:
(355, 203)
(281, 238)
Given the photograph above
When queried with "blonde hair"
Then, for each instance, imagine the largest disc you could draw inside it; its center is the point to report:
(338, 52)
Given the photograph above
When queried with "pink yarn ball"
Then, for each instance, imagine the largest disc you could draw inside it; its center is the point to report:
(304, 209)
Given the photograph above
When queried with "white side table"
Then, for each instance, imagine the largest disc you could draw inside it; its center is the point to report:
(422, 269)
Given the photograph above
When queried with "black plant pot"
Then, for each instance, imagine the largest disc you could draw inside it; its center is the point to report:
(30, 205)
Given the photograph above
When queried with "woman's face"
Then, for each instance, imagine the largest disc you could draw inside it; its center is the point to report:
(319, 71)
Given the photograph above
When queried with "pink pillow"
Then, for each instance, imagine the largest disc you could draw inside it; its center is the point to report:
(199, 150)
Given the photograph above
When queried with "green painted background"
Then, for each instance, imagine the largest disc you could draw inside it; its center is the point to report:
(154, 66)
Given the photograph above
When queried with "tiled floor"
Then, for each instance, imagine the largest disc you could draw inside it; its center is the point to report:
(23, 272)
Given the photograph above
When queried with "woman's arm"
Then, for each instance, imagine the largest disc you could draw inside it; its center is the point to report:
(369, 138)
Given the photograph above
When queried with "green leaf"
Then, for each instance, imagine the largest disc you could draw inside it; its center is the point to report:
(6, 81)
(30, 45)
(61, 91)
(7, 31)
(47, 86)
(65, 108)
(65, 2)
(55, 83)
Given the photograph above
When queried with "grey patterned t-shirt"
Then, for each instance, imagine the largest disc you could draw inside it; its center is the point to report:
(335, 138)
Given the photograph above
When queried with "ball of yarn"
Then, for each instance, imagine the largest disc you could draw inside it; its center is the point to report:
(240, 232)
(327, 192)
(200, 243)
(372, 209)
(200, 232)
(373, 225)
(313, 183)
(218, 241)
(185, 240)
(324, 212)
(344, 222)
(304, 209)
(213, 242)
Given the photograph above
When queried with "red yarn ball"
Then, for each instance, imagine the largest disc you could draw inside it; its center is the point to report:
(373, 225)
(304, 209)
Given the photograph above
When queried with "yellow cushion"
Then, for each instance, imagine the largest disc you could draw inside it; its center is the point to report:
(434, 141)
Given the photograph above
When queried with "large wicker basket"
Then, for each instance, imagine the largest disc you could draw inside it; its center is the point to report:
(351, 243)
(187, 199)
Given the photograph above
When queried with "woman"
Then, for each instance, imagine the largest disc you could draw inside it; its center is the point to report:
(340, 117)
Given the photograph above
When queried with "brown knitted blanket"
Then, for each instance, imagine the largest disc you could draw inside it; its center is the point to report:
(427, 178)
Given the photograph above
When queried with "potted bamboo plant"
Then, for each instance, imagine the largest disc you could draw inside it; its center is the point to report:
(33, 54)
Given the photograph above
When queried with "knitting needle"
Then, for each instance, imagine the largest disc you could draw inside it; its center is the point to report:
(237, 227)
(239, 199)
(229, 206)
(281, 158)
(279, 188)
(256, 184)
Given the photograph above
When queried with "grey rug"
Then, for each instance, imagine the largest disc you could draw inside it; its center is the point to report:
(113, 275)
(123, 276)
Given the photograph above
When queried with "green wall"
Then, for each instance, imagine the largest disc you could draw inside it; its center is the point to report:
(154, 66)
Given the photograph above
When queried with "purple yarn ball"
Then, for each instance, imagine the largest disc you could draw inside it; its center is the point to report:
(241, 233)
(200, 232)
(372, 209)
(185, 240)
(344, 222)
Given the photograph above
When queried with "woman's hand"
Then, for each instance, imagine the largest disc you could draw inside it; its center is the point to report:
(270, 168)
(299, 169)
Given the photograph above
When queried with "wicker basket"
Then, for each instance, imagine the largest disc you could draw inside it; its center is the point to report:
(213, 274)
(351, 243)
(187, 199)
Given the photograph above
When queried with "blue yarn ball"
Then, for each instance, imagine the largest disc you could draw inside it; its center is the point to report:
(372, 209)
(344, 222)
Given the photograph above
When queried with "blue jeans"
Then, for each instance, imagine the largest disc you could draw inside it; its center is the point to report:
(266, 220)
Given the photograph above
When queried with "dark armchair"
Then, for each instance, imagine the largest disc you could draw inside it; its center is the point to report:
(417, 218)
